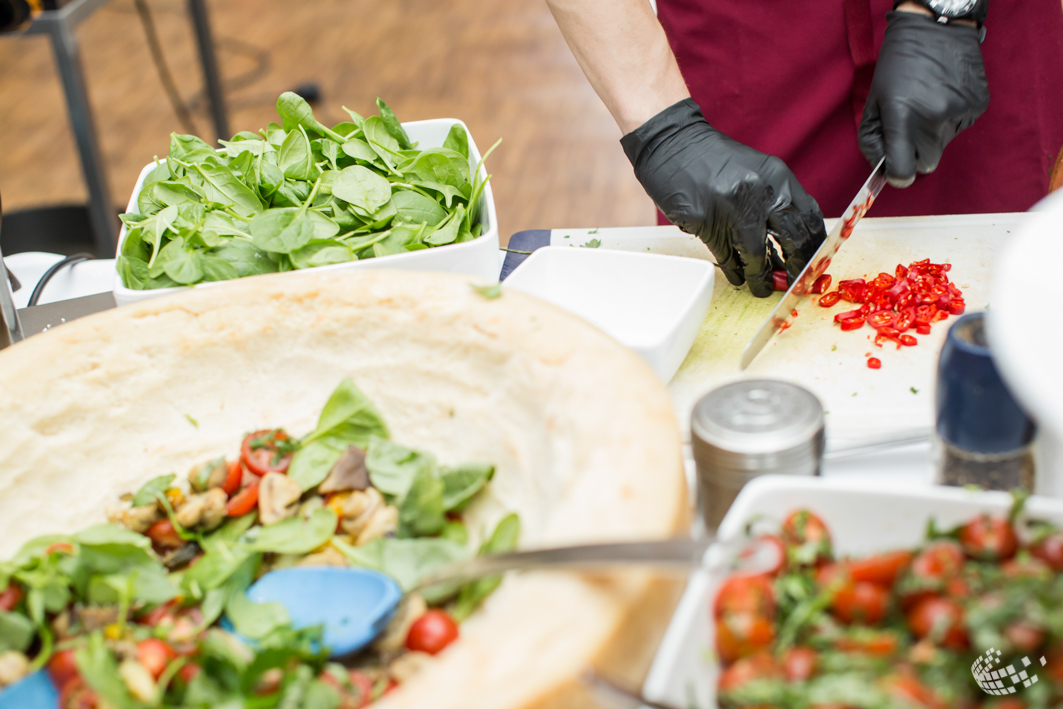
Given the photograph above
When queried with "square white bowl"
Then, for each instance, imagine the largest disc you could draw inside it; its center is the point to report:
(653, 304)
(863, 518)
(477, 258)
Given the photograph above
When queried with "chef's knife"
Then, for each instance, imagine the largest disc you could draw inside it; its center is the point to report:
(781, 318)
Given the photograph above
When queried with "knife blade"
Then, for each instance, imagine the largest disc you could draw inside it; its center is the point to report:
(781, 318)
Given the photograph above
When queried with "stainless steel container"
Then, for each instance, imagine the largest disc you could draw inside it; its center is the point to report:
(752, 428)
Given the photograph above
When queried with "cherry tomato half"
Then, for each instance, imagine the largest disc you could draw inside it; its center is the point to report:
(1048, 550)
(882, 569)
(879, 643)
(233, 476)
(746, 594)
(941, 620)
(799, 663)
(760, 666)
(432, 632)
(830, 299)
(261, 452)
(808, 533)
(10, 596)
(243, 501)
(155, 655)
(861, 602)
(77, 695)
(822, 284)
(163, 535)
(989, 539)
(62, 668)
(742, 634)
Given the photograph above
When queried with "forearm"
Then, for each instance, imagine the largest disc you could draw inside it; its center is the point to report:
(624, 53)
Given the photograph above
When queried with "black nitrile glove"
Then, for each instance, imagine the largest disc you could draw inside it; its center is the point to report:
(726, 194)
(929, 85)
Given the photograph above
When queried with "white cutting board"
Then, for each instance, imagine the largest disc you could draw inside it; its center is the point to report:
(814, 353)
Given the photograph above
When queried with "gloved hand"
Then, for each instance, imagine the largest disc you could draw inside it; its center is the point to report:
(929, 85)
(726, 194)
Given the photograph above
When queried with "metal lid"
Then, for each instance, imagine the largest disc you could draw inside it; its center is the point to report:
(757, 417)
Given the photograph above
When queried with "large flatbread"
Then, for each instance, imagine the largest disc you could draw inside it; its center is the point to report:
(581, 431)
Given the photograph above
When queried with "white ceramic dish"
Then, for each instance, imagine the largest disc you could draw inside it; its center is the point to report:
(653, 304)
(863, 518)
(478, 258)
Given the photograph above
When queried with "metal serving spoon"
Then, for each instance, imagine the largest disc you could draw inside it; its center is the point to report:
(355, 604)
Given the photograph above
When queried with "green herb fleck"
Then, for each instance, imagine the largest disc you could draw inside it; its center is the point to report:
(489, 292)
(833, 347)
(592, 244)
(192, 421)
(913, 390)
(566, 236)
(592, 231)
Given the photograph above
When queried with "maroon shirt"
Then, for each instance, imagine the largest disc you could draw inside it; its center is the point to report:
(791, 78)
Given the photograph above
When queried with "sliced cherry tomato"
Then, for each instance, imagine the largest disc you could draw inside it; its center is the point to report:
(163, 535)
(188, 672)
(799, 663)
(155, 655)
(861, 602)
(882, 569)
(1048, 550)
(822, 284)
(922, 329)
(742, 634)
(159, 613)
(909, 341)
(62, 668)
(264, 452)
(778, 280)
(746, 593)
(773, 545)
(809, 536)
(830, 299)
(941, 620)
(1024, 636)
(243, 501)
(233, 476)
(852, 324)
(363, 687)
(432, 632)
(912, 692)
(874, 362)
(940, 561)
(989, 539)
(10, 596)
(760, 666)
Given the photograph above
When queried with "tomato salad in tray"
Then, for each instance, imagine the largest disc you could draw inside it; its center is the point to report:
(127, 614)
(900, 630)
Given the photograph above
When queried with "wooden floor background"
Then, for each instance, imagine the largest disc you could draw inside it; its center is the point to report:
(499, 65)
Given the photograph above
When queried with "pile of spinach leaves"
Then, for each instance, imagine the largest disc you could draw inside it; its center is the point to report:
(298, 195)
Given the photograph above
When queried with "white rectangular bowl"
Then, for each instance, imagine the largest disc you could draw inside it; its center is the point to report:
(478, 258)
(652, 304)
(863, 519)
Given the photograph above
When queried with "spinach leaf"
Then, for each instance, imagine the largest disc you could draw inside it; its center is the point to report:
(255, 620)
(421, 511)
(393, 126)
(458, 140)
(442, 166)
(222, 187)
(393, 467)
(293, 535)
(414, 208)
(356, 118)
(503, 539)
(182, 263)
(184, 147)
(349, 418)
(295, 112)
(16, 631)
(324, 228)
(214, 568)
(461, 483)
(217, 269)
(405, 560)
(362, 188)
(360, 150)
(282, 230)
(321, 252)
(295, 157)
(100, 670)
(448, 230)
(245, 257)
(157, 228)
(381, 141)
(156, 486)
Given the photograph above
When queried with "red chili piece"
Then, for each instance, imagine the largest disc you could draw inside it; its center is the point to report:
(778, 279)
(822, 284)
(874, 363)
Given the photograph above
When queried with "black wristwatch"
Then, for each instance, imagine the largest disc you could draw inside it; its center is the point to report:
(946, 11)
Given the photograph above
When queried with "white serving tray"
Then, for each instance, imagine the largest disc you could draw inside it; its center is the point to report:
(863, 518)
(477, 258)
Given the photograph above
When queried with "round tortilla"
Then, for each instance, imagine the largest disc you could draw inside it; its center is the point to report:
(580, 429)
